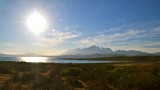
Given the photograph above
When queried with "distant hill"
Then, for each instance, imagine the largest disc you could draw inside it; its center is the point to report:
(94, 50)
(29, 55)
(130, 52)
(6, 55)
(89, 56)
(156, 53)
(19, 55)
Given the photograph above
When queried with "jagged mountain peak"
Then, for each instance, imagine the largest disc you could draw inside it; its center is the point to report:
(90, 50)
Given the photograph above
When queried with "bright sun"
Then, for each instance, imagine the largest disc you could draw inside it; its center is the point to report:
(36, 23)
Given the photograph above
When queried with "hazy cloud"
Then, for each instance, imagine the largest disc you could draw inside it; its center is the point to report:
(10, 44)
(103, 38)
(60, 36)
(157, 29)
(56, 37)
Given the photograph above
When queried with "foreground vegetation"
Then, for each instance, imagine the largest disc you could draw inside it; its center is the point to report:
(50, 76)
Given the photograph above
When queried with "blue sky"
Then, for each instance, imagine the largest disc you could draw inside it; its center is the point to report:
(117, 24)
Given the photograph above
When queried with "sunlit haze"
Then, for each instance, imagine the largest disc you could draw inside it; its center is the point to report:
(34, 59)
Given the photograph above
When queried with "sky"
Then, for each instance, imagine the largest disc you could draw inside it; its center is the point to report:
(115, 24)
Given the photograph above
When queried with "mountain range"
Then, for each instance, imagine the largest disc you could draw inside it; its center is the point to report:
(90, 52)
(107, 51)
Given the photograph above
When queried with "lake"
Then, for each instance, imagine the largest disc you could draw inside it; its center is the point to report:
(54, 60)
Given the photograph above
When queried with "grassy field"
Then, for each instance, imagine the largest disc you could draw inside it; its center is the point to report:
(50, 76)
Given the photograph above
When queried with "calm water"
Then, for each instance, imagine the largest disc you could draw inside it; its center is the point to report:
(53, 60)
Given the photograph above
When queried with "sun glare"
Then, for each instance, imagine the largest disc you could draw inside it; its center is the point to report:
(34, 59)
(36, 23)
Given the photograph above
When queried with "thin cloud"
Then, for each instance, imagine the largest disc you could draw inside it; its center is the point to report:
(157, 29)
(102, 38)
(10, 44)
(56, 37)
(64, 35)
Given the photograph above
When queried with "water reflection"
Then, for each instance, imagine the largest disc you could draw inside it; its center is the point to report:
(56, 60)
(34, 59)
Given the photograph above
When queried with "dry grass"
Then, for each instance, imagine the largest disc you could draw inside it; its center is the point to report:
(49, 76)
(3, 79)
